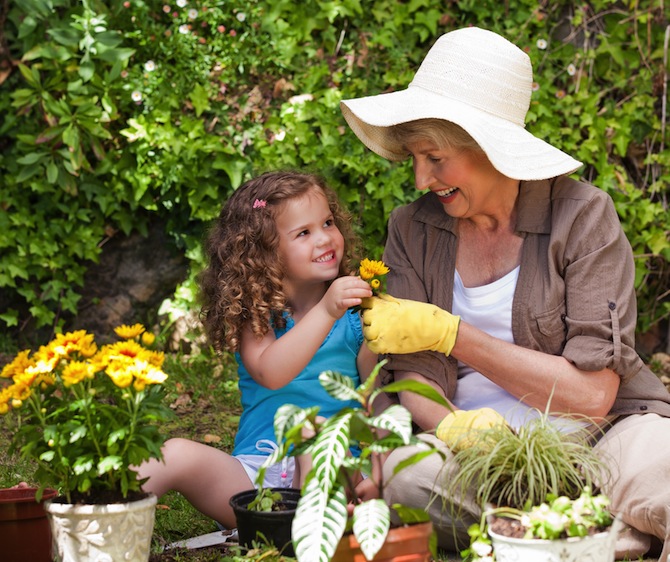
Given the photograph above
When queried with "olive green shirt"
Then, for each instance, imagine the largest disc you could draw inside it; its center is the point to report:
(574, 297)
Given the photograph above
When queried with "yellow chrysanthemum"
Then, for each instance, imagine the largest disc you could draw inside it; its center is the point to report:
(19, 391)
(156, 358)
(19, 364)
(75, 372)
(121, 377)
(5, 397)
(129, 332)
(129, 349)
(150, 375)
(371, 268)
(148, 338)
(70, 343)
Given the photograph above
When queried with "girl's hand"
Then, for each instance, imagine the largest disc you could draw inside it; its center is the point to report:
(343, 293)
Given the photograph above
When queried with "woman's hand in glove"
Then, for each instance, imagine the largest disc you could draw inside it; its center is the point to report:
(460, 429)
(393, 325)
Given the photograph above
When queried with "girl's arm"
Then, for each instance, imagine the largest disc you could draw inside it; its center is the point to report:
(273, 362)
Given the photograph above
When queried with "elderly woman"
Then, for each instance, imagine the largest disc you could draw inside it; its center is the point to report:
(512, 283)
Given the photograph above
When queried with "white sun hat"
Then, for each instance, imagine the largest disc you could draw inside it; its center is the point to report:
(478, 80)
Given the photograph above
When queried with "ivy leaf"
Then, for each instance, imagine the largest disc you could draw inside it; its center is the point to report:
(200, 99)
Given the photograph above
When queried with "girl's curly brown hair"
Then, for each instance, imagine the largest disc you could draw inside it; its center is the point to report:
(243, 280)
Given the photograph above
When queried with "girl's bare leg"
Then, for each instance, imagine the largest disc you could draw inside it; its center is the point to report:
(206, 476)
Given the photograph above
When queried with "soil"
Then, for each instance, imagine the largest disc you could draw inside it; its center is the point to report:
(514, 529)
(182, 554)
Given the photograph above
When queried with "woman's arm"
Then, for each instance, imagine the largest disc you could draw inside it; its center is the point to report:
(274, 362)
(536, 377)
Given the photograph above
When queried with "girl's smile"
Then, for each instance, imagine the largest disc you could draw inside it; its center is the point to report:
(310, 243)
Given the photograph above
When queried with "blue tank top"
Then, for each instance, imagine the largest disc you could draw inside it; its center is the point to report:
(338, 353)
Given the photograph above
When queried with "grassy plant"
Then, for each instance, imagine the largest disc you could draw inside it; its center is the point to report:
(519, 467)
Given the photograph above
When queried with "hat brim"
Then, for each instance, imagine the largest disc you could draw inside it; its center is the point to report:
(512, 150)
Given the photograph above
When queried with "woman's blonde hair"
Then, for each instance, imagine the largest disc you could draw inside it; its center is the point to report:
(243, 281)
(444, 134)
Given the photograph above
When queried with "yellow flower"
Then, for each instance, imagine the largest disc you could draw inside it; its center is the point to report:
(129, 332)
(19, 364)
(148, 338)
(375, 283)
(370, 268)
(76, 372)
(73, 342)
(119, 351)
(5, 397)
(120, 375)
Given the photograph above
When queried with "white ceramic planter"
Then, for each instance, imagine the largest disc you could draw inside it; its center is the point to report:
(596, 548)
(102, 533)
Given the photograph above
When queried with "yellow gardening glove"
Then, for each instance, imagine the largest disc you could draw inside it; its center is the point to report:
(459, 429)
(393, 325)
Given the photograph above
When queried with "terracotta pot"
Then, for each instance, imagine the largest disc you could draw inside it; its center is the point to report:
(410, 543)
(102, 532)
(24, 529)
(274, 526)
(595, 548)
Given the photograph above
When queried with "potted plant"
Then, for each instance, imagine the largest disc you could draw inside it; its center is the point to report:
(87, 416)
(570, 530)
(323, 528)
(266, 515)
(22, 516)
(534, 484)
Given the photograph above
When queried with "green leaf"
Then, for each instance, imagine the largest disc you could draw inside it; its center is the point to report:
(420, 388)
(330, 447)
(319, 522)
(395, 419)
(409, 515)
(200, 99)
(372, 520)
(339, 386)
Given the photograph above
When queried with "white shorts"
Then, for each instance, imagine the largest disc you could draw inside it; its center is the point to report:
(279, 475)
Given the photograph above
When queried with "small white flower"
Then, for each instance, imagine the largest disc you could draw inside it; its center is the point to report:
(572, 69)
(241, 16)
(183, 29)
(136, 96)
(535, 86)
(300, 98)
(150, 66)
(481, 549)
(181, 3)
(192, 14)
(541, 44)
(281, 135)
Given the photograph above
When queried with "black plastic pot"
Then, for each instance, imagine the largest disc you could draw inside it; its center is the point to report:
(261, 526)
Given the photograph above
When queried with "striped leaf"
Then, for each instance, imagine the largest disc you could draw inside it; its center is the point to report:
(372, 520)
(330, 448)
(397, 420)
(339, 386)
(319, 522)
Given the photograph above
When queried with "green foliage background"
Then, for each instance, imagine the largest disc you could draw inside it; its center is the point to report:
(117, 113)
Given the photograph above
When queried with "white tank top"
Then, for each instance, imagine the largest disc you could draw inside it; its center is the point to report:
(489, 308)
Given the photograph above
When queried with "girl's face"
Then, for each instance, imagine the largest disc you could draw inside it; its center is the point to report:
(310, 243)
(465, 182)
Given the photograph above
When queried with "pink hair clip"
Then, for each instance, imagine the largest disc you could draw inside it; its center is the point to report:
(260, 203)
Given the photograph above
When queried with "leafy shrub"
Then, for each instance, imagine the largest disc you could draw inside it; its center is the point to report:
(115, 112)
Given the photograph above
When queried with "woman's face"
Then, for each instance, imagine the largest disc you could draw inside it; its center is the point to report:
(464, 181)
(310, 244)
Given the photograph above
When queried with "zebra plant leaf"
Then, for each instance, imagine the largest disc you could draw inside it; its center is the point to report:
(339, 386)
(329, 449)
(319, 522)
(395, 419)
(290, 418)
(372, 520)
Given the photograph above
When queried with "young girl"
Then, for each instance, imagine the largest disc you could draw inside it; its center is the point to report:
(277, 292)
